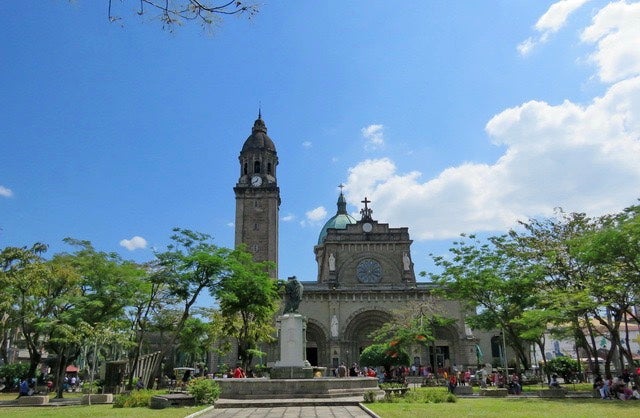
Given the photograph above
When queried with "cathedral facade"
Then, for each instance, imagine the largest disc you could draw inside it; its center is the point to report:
(365, 272)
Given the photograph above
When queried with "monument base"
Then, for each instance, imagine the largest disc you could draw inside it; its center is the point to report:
(291, 372)
(320, 387)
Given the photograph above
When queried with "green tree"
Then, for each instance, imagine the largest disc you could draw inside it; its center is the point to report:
(103, 286)
(249, 299)
(385, 355)
(191, 265)
(568, 282)
(151, 295)
(612, 252)
(194, 340)
(415, 324)
(29, 291)
(493, 283)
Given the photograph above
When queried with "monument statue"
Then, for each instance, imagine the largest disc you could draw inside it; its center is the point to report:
(292, 295)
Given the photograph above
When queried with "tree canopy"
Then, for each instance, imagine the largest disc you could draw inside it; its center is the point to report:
(568, 275)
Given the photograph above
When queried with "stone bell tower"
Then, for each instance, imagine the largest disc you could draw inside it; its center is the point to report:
(258, 196)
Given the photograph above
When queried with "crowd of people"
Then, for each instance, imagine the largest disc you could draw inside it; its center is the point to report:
(619, 387)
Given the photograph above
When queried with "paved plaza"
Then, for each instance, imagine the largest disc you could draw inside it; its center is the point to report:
(337, 411)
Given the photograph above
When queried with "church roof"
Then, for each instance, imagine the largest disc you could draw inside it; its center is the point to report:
(259, 138)
(339, 221)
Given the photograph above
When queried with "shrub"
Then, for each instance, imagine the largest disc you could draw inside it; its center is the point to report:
(562, 366)
(13, 372)
(370, 396)
(135, 399)
(390, 397)
(204, 390)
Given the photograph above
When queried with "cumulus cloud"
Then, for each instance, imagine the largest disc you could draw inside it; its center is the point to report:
(134, 243)
(316, 215)
(307, 144)
(581, 157)
(5, 192)
(551, 22)
(288, 218)
(374, 136)
(616, 31)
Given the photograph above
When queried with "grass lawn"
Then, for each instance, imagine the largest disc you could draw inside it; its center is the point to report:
(97, 411)
(82, 411)
(486, 407)
(510, 407)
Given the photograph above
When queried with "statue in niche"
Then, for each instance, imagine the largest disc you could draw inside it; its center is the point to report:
(332, 262)
(292, 295)
(406, 261)
(334, 326)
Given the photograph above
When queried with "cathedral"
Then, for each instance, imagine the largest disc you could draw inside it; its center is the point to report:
(365, 272)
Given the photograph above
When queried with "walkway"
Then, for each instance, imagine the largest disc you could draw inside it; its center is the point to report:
(288, 411)
(347, 407)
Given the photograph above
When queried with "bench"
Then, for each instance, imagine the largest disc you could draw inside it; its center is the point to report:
(33, 400)
(172, 399)
(395, 391)
(96, 398)
(497, 392)
(552, 393)
(463, 390)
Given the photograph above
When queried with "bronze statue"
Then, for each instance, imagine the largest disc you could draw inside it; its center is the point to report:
(292, 295)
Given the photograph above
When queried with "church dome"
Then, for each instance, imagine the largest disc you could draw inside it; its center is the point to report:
(339, 221)
(259, 138)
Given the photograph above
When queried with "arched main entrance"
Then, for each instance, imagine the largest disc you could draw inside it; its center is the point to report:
(357, 334)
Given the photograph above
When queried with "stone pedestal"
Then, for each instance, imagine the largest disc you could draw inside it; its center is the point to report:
(463, 390)
(96, 398)
(293, 363)
(33, 400)
(498, 392)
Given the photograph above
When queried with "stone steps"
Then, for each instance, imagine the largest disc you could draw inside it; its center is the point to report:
(273, 403)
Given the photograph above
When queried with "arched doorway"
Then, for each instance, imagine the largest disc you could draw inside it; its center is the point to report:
(357, 333)
(442, 351)
(317, 350)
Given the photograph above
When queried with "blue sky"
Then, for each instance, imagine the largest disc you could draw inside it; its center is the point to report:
(450, 116)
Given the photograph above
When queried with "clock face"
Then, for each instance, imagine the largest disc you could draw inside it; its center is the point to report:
(367, 227)
(256, 181)
(369, 271)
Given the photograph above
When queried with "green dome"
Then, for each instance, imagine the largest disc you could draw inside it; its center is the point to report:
(339, 221)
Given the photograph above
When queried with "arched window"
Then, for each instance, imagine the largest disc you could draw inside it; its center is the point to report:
(268, 168)
(245, 169)
(256, 167)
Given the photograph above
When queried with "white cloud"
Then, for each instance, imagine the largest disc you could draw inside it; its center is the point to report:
(374, 135)
(5, 192)
(581, 157)
(288, 218)
(316, 215)
(134, 243)
(616, 30)
(550, 22)
(307, 144)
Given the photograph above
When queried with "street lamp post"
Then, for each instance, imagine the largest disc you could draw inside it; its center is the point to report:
(506, 363)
